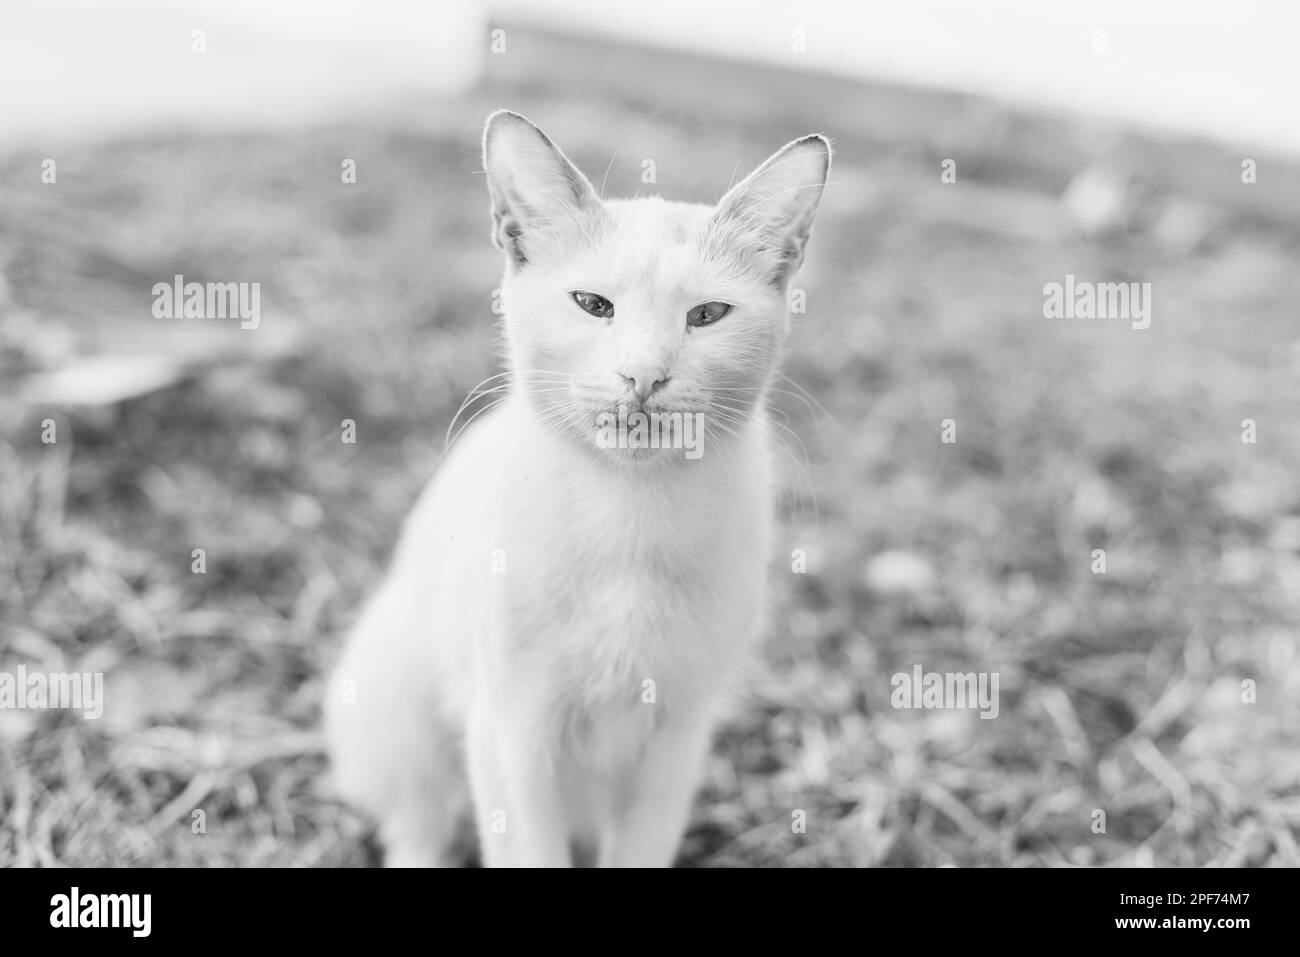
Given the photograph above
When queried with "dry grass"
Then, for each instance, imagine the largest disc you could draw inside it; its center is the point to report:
(1119, 692)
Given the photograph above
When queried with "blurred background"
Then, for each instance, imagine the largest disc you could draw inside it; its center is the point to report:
(1138, 142)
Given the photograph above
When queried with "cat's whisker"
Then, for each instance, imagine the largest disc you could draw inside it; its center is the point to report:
(511, 379)
(606, 176)
(725, 413)
(810, 398)
(470, 421)
(469, 398)
(800, 472)
(811, 403)
(720, 447)
(731, 180)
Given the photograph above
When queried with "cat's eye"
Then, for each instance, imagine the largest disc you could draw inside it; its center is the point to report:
(707, 313)
(598, 306)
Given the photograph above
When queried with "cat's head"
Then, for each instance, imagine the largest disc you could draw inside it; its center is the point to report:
(643, 304)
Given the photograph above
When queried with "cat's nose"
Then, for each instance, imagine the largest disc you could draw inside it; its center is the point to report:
(643, 380)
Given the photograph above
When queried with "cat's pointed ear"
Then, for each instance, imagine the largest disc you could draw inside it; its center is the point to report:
(771, 212)
(532, 184)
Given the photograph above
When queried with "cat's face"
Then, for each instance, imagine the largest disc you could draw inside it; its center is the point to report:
(625, 306)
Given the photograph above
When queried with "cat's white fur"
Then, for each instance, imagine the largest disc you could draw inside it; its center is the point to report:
(562, 622)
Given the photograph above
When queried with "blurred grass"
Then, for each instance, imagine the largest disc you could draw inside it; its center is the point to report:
(1119, 692)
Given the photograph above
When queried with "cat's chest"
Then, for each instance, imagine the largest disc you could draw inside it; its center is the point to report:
(615, 581)
(616, 554)
(609, 597)
(596, 582)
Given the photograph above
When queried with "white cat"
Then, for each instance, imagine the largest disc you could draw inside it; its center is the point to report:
(564, 619)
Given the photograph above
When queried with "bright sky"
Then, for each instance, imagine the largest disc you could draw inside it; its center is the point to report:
(1223, 68)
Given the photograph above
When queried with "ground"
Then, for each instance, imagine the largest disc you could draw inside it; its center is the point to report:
(1128, 729)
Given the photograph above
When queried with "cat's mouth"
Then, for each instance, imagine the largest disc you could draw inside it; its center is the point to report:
(641, 434)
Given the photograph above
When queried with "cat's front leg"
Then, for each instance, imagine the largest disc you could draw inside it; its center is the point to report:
(517, 800)
(646, 831)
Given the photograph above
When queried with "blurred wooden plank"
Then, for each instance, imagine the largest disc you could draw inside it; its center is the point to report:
(123, 358)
